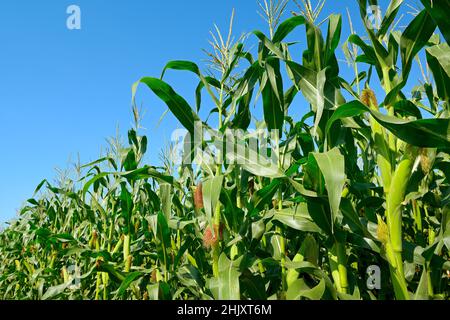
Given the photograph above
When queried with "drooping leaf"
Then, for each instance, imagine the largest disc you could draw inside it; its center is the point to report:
(287, 27)
(147, 172)
(177, 105)
(257, 163)
(315, 87)
(425, 133)
(54, 291)
(181, 65)
(438, 58)
(391, 13)
(198, 91)
(127, 282)
(442, 54)
(264, 196)
(438, 10)
(269, 44)
(297, 218)
(414, 38)
(299, 289)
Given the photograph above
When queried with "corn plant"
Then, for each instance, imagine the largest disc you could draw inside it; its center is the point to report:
(361, 180)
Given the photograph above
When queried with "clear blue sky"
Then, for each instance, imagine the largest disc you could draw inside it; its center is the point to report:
(64, 92)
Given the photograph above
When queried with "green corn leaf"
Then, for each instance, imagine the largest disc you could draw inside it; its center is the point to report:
(265, 195)
(389, 17)
(98, 161)
(237, 53)
(198, 91)
(181, 65)
(204, 81)
(422, 288)
(393, 46)
(54, 291)
(273, 96)
(249, 80)
(147, 172)
(163, 230)
(438, 10)
(127, 282)
(320, 99)
(88, 184)
(130, 162)
(258, 164)
(126, 204)
(315, 87)
(109, 268)
(297, 218)
(301, 189)
(243, 117)
(253, 286)
(332, 166)
(438, 58)
(289, 96)
(299, 289)
(269, 44)
(414, 38)
(211, 194)
(287, 27)
(177, 105)
(163, 234)
(306, 81)
(226, 286)
(368, 50)
(425, 133)
(166, 201)
(442, 54)
(40, 185)
(407, 108)
(334, 35)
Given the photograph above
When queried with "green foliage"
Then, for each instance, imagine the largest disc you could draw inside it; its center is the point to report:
(356, 183)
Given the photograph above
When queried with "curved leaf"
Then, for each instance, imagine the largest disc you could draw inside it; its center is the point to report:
(287, 27)
(425, 133)
(299, 289)
(297, 218)
(414, 38)
(438, 58)
(439, 10)
(181, 65)
(127, 282)
(177, 105)
(391, 13)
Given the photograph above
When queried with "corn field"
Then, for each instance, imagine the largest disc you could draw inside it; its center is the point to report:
(361, 181)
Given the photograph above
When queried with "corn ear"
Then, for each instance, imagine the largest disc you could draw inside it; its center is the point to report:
(394, 202)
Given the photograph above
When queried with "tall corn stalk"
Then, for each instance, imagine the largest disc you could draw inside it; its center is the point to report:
(360, 179)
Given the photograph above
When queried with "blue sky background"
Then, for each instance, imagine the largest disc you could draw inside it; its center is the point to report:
(63, 92)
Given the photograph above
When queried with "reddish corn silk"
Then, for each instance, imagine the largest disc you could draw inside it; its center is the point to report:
(210, 239)
(198, 197)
